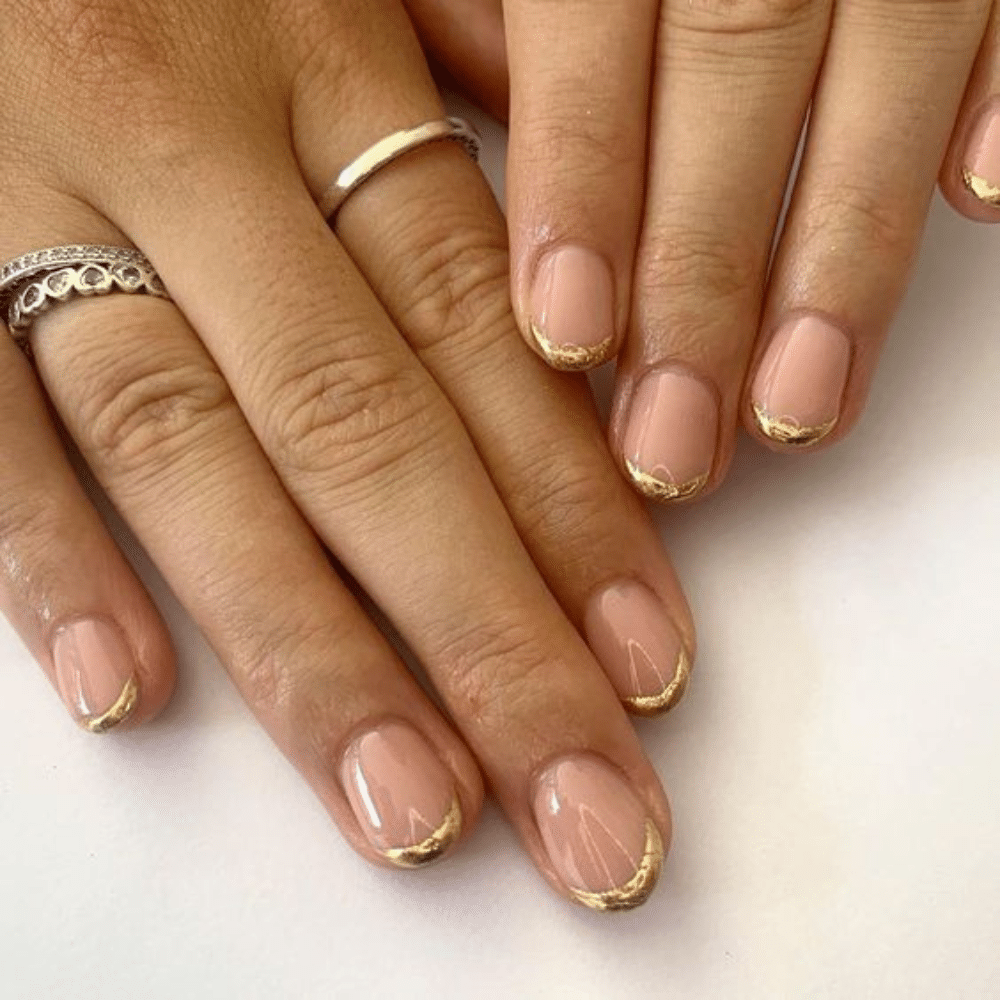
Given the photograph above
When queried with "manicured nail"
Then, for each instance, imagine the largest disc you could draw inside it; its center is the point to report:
(95, 673)
(604, 847)
(402, 795)
(573, 309)
(639, 647)
(670, 438)
(799, 386)
(981, 171)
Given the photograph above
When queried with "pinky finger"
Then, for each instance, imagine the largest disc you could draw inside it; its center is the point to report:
(970, 177)
(64, 585)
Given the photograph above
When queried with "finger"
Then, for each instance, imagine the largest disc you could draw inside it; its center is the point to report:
(431, 241)
(466, 37)
(858, 210)
(158, 426)
(64, 585)
(731, 88)
(970, 177)
(580, 75)
(373, 454)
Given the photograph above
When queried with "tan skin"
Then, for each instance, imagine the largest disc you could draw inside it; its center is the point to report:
(364, 392)
(660, 133)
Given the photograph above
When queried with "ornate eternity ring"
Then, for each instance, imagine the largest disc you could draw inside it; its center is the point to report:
(392, 148)
(34, 282)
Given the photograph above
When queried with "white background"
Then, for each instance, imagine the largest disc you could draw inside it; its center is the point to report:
(834, 769)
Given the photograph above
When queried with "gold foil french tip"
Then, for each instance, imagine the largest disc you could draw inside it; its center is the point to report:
(571, 357)
(786, 431)
(430, 849)
(657, 704)
(637, 889)
(658, 489)
(981, 188)
(118, 712)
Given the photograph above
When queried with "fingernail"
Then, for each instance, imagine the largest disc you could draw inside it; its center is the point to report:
(573, 309)
(981, 171)
(402, 795)
(95, 673)
(671, 434)
(604, 847)
(799, 386)
(639, 647)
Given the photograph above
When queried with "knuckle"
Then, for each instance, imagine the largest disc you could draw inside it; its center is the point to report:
(353, 416)
(857, 218)
(497, 671)
(457, 289)
(585, 146)
(143, 415)
(741, 17)
(701, 265)
(564, 500)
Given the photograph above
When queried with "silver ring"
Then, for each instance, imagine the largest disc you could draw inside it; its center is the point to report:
(31, 284)
(392, 148)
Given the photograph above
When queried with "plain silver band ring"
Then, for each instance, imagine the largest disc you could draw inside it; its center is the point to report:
(34, 282)
(392, 148)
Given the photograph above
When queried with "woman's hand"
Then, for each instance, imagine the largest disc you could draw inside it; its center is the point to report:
(365, 391)
(651, 144)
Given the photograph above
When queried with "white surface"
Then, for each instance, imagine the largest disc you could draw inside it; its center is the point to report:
(834, 769)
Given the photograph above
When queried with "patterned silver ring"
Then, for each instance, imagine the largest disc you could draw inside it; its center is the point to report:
(392, 148)
(31, 284)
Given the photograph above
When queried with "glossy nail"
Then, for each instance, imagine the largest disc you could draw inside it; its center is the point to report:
(638, 646)
(402, 794)
(981, 170)
(603, 845)
(800, 384)
(573, 308)
(95, 673)
(670, 438)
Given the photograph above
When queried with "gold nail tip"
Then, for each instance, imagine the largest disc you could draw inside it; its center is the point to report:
(432, 847)
(572, 357)
(117, 713)
(639, 888)
(657, 704)
(784, 430)
(659, 489)
(986, 191)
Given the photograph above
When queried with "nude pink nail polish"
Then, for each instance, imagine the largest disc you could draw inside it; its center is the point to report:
(800, 384)
(95, 673)
(602, 844)
(671, 434)
(402, 794)
(573, 308)
(981, 170)
(638, 646)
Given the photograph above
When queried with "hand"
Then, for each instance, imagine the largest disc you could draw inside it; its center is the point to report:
(670, 238)
(365, 391)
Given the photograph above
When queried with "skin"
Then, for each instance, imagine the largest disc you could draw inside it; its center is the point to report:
(661, 134)
(305, 393)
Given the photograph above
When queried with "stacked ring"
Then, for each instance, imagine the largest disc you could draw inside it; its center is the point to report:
(33, 283)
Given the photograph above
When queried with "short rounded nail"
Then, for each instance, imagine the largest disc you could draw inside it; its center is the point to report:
(402, 795)
(95, 673)
(639, 647)
(602, 843)
(799, 388)
(981, 169)
(573, 308)
(671, 434)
